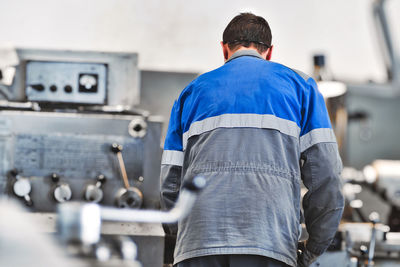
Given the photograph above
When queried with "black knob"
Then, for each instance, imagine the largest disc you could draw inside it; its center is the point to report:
(363, 249)
(55, 178)
(29, 202)
(53, 88)
(68, 89)
(116, 148)
(101, 178)
(38, 87)
(13, 172)
(195, 184)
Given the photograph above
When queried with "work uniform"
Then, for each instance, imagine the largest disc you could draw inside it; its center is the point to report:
(253, 128)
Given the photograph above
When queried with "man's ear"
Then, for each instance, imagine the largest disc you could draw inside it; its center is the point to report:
(269, 53)
(225, 50)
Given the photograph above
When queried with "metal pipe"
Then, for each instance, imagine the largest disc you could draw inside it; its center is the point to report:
(374, 218)
(391, 63)
(82, 222)
(180, 210)
(123, 170)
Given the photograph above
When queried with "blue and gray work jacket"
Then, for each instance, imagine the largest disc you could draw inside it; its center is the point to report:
(255, 129)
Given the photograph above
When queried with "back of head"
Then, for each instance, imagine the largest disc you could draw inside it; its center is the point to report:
(247, 29)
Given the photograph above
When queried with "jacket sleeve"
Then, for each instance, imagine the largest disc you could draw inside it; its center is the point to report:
(171, 164)
(320, 169)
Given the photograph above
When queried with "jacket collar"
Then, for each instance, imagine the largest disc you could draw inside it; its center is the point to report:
(242, 53)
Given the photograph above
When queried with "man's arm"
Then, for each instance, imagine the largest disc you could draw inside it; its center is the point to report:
(170, 184)
(171, 165)
(320, 169)
(323, 203)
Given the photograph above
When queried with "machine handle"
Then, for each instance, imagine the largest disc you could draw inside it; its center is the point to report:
(181, 209)
(77, 221)
(195, 185)
(374, 218)
(116, 148)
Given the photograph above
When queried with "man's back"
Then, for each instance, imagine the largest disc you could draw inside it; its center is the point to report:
(241, 130)
(254, 129)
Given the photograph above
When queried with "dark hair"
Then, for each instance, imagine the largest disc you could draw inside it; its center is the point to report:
(247, 29)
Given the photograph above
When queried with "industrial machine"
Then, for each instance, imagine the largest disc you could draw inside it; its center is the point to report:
(70, 131)
(365, 240)
(81, 232)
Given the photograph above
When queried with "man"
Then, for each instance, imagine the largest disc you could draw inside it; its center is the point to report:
(254, 129)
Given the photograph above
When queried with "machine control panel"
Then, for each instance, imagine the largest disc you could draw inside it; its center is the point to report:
(66, 82)
(48, 158)
(75, 155)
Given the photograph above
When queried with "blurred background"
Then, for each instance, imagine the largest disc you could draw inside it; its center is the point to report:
(177, 40)
(139, 56)
(184, 36)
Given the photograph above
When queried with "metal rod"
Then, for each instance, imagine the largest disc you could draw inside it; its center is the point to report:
(123, 170)
(180, 210)
(371, 249)
(374, 218)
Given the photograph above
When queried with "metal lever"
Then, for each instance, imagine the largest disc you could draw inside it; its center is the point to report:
(62, 191)
(128, 197)
(182, 207)
(21, 186)
(82, 222)
(374, 218)
(116, 148)
(94, 193)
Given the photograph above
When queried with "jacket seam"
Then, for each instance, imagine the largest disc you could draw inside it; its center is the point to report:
(226, 166)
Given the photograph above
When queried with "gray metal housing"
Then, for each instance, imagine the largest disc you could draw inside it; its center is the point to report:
(77, 147)
(123, 77)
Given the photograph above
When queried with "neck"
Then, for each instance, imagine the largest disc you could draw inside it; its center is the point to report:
(242, 48)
